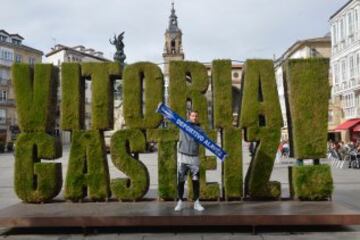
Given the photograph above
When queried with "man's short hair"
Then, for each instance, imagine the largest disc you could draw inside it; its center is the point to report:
(193, 111)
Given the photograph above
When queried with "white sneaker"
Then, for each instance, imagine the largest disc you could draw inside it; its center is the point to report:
(197, 206)
(179, 206)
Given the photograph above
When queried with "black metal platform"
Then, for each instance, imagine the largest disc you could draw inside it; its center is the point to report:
(153, 213)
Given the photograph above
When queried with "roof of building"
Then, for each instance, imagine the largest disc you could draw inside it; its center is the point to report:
(85, 52)
(18, 46)
(340, 9)
(22, 47)
(233, 65)
(300, 43)
(11, 34)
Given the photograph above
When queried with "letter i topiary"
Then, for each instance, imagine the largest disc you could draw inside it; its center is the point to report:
(102, 103)
(307, 98)
(232, 137)
(73, 97)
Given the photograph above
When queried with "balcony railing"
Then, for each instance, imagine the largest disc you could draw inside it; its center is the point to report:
(350, 112)
(7, 102)
(353, 84)
(346, 42)
(4, 82)
(5, 121)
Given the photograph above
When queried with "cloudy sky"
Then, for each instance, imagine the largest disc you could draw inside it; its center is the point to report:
(236, 29)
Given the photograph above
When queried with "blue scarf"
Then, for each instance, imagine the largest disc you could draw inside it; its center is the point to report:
(190, 130)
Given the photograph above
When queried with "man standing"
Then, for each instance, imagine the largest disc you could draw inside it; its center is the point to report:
(189, 162)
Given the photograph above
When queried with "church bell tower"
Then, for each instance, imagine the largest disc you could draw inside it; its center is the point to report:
(173, 42)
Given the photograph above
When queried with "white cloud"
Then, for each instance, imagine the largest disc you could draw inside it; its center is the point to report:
(236, 29)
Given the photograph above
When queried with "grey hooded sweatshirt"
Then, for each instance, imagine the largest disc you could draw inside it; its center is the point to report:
(187, 144)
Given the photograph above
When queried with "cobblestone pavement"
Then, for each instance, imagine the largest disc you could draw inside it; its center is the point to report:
(347, 191)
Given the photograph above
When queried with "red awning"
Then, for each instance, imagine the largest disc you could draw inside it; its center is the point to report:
(356, 128)
(348, 124)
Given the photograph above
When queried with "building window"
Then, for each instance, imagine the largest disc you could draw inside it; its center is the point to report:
(351, 66)
(2, 116)
(6, 55)
(350, 24)
(3, 38)
(336, 73)
(334, 38)
(343, 71)
(31, 60)
(342, 30)
(235, 75)
(173, 44)
(331, 116)
(18, 58)
(16, 42)
(3, 96)
(356, 20)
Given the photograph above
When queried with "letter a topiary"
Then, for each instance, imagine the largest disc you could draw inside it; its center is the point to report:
(35, 92)
(37, 182)
(143, 78)
(262, 120)
(167, 161)
(189, 81)
(88, 172)
(307, 94)
(123, 144)
(102, 102)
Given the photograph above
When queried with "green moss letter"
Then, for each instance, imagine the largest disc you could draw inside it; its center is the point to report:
(88, 173)
(123, 144)
(142, 79)
(262, 120)
(37, 182)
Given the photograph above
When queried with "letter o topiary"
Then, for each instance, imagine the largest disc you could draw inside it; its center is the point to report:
(143, 78)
